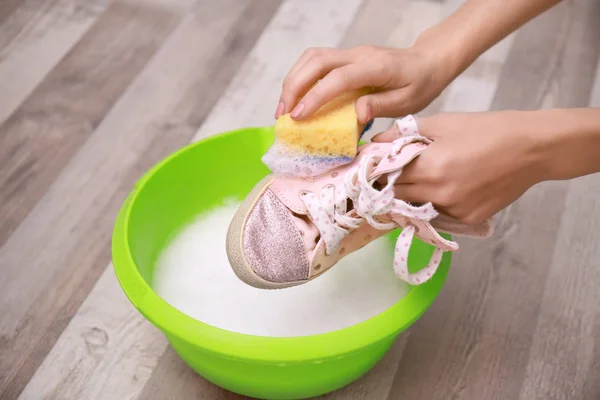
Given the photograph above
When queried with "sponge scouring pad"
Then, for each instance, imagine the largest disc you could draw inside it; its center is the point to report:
(326, 140)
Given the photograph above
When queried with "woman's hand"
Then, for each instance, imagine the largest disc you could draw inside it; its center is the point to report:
(478, 163)
(405, 80)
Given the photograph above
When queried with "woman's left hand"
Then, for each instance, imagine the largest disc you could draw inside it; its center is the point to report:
(478, 163)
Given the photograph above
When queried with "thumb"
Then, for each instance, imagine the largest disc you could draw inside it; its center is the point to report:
(383, 104)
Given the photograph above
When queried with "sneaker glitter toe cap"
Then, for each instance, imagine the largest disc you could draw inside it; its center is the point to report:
(272, 246)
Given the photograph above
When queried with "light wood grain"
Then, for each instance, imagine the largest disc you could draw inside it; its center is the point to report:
(476, 340)
(99, 176)
(595, 98)
(563, 359)
(34, 38)
(40, 137)
(534, 60)
(173, 379)
(103, 353)
(37, 143)
(7, 7)
(567, 334)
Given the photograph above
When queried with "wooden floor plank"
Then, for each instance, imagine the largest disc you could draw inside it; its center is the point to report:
(34, 38)
(110, 333)
(561, 360)
(475, 341)
(173, 379)
(39, 138)
(7, 7)
(189, 71)
(50, 127)
(595, 100)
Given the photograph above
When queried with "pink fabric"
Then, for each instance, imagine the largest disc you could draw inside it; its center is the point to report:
(287, 189)
(313, 200)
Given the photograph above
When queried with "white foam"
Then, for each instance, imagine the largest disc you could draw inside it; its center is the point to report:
(194, 276)
(283, 160)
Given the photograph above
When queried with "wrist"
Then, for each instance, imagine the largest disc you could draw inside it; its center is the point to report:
(446, 50)
(564, 142)
(535, 135)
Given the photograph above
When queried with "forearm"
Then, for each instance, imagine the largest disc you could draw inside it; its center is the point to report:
(476, 26)
(567, 141)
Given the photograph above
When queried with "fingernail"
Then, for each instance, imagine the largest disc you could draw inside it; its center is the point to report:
(279, 110)
(297, 111)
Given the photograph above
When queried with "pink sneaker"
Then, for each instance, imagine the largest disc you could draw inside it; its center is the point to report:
(290, 230)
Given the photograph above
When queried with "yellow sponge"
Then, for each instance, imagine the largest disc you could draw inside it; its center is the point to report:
(333, 131)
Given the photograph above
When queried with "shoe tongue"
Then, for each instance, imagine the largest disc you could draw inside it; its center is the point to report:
(308, 231)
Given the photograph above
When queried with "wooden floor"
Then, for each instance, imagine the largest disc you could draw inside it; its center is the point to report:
(94, 92)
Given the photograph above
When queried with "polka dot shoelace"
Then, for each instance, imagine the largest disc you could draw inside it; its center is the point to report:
(329, 211)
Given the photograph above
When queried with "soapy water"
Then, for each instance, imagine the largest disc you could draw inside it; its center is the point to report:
(193, 275)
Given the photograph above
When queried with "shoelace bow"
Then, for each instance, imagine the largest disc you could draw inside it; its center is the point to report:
(329, 211)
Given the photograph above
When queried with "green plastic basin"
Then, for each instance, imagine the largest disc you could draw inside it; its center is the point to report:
(192, 181)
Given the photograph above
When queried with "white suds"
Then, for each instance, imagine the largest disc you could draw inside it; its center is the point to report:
(283, 160)
(194, 276)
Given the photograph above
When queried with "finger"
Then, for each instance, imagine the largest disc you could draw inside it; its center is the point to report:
(304, 57)
(311, 67)
(346, 78)
(414, 193)
(416, 170)
(429, 126)
(394, 132)
(392, 103)
(387, 136)
(307, 55)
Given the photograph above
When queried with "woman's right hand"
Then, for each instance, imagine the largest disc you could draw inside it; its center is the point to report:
(404, 80)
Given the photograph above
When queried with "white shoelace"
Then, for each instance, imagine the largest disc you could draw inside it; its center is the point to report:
(328, 211)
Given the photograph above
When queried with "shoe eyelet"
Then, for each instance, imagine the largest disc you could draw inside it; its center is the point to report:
(414, 226)
(302, 194)
(317, 267)
(335, 174)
